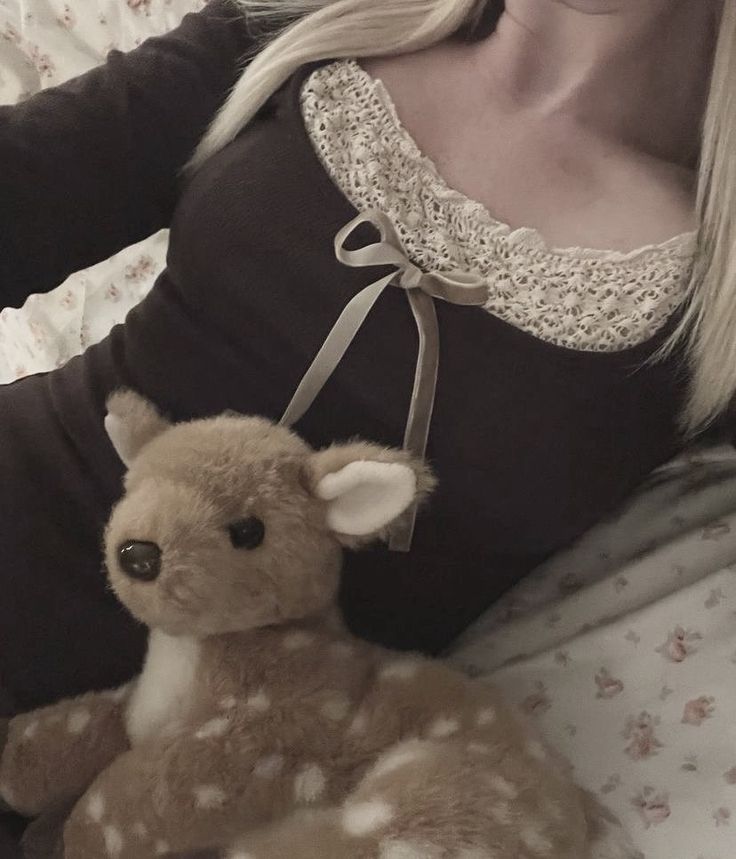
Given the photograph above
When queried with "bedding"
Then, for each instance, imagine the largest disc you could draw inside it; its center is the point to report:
(42, 43)
(621, 649)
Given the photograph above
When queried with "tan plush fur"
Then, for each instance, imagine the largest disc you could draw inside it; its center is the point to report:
(258, 725)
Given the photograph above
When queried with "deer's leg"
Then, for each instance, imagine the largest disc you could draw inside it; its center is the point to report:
(52, 754)
(196, 790)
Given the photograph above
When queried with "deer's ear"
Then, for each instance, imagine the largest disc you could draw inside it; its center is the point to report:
(365, 497)
(366, 488)
(131, 422)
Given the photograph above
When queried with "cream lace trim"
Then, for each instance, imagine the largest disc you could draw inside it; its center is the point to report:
(585, 299)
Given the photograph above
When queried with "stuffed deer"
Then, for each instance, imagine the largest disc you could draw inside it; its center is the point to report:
(259, 728)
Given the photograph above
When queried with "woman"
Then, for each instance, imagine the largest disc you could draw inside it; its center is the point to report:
(577, 124)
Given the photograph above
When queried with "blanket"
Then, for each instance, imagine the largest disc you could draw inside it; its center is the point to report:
(43, 43)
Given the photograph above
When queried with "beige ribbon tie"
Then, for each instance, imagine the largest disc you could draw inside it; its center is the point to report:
(457, 287)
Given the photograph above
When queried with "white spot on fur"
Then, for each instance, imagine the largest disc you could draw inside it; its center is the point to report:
(336, 708)
(297, 640)
(113, 840)
(362, 818)
(359, 725)
(209, 796)
(485, 717)
(502, 813)
(228, 703)
(140, 829)
(164, 689)
(78, 721)
(503, 786)
(309, 784)
(535, 840)
(341, 650)
(162, 847)
(479, 748)
(269, 767)
(259, 701)
(240, 855)
(405, 753)
(401, 669)
(213, 728)
(30, 730)
(443, 727)
(96, 807)
(399, 849)
(536, 750)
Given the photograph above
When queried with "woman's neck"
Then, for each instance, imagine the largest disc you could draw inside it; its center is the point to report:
(634, 70)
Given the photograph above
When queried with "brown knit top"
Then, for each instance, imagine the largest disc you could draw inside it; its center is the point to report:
(539, 428)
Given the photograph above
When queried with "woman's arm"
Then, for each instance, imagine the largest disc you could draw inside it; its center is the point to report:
(92, 166)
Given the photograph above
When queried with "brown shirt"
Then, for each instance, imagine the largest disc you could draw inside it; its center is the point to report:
(532, 442)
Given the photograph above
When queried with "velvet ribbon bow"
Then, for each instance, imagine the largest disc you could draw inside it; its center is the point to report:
(422, 288)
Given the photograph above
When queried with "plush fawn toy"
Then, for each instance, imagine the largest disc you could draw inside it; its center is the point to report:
(259, 726)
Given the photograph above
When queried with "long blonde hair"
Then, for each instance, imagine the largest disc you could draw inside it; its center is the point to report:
(302, 31)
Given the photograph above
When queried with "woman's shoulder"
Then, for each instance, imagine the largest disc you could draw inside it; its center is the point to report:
(415, 79)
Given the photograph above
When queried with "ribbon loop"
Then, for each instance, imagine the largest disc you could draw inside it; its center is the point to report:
(411, 277)
(467, 289)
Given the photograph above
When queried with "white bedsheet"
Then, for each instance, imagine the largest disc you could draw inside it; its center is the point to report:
(43, 43)
(622, 650)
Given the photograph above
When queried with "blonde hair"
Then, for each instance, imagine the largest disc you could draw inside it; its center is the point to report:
(303, 31)
(320, 29)
(708, 327)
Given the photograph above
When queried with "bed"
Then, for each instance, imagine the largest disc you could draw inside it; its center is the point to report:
(621, 650)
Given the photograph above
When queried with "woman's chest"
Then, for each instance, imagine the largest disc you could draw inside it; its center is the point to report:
(532, 441)
(550, 172)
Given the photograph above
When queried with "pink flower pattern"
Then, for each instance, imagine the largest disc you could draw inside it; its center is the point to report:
(653, 807)
(644, 675)
(680, 644)
(67, 18)
(608, 687)
(698, 710)
(43, 62)
(639, 731)
(140, 269)
(639, 692)
(611, 784)
(537, 702)
(42, 43)
(722, 816)
(10, 34)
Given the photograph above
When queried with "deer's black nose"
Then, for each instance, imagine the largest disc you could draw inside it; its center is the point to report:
(140, 561)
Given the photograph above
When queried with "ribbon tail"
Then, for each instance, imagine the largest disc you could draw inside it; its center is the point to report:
(418, 423)
(333, 349)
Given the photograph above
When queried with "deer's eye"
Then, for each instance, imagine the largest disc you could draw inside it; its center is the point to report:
(247, 533)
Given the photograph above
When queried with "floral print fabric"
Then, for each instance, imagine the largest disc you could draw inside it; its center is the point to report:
(43, 43)
(622, 650)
